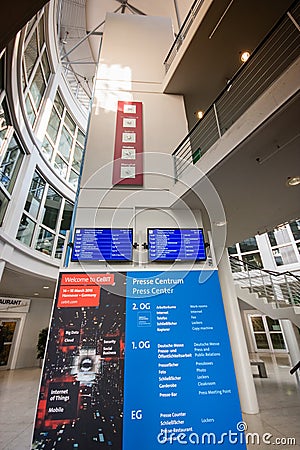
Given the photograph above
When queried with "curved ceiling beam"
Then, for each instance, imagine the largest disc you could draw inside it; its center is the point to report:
(14, 16)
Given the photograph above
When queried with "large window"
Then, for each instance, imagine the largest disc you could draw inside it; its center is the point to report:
(267, 333)
(11, 156)
(282, 241)
(46, 219)
(248, 252)
(35, 67)
(63, 143)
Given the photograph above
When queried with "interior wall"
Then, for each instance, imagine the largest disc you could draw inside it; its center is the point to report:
(131, 68)
(37, 318)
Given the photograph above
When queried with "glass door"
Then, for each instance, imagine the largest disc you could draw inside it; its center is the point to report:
(7, 335)
(266, 333)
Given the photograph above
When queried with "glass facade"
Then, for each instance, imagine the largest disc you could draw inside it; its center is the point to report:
(267, 333)
(11, 157)
(284, 245)
(63, 143)
(35, 68)
(46, 218)
(284, 242)
(248, 252)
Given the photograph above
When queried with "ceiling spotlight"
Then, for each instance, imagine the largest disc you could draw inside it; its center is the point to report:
(199, 114)
(36, 293)
(46, 287)
(293, 181)
(244, 56)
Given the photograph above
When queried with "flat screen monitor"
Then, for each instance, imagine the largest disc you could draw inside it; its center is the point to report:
(176, 244)
(102, 244)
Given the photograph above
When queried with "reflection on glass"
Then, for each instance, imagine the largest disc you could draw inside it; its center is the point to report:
(59, 104)
(261, 341)
(38, 87)
(80, 138)
(60, 166)
(73, 179)
(65, 144)
(279, 236)
(53, 125)
(35, 195)
(277, 341)
(70, 122)
(253, 259)
(47, 149)
(45, 241)
(25, 231)
(284, 255)
(31, 54)
(59, 248)
(3, 205)
(257, 323)
(66, 218)
(3, 125)
(295, 227)
(77, 157)
(51, 209)
(29, 110)
(10, 165)
(232, 250)
(248, 245)
(273, 324)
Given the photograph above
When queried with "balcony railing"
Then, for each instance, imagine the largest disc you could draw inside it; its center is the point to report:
(182, 33)
(281, 289)
(279, 49)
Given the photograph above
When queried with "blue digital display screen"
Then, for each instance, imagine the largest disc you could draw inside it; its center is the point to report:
(176, 244)
(102, 244)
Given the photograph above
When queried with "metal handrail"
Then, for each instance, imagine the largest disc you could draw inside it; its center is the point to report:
(186, 25)
(283, 288)
(278, 50)
(295, 368)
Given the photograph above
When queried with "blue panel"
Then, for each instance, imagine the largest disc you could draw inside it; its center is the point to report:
(180, 386)
(176, 244)
(102, 244)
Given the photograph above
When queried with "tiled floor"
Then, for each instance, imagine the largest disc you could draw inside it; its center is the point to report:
(279, 400)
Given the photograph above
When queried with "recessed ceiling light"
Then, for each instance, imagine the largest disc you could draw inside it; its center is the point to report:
(293, 181)
(244, 56)
(36, 293)
(46, 287)
(199, 114)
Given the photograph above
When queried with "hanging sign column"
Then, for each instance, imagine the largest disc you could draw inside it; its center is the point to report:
(128, 153)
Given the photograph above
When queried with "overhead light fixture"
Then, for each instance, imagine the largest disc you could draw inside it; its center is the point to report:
(199, 114)
(46, 287)
(244, 56)
(36, 293)
(293, 181)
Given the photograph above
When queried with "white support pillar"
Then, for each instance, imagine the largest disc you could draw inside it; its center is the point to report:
(291, 341)
(245, 382)
(2, 267)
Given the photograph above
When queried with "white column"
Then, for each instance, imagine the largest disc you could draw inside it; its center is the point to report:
(245, 382)
(291, 341)
(2, 267)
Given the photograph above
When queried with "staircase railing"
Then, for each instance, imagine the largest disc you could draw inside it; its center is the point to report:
(283, 289)
(279, 49)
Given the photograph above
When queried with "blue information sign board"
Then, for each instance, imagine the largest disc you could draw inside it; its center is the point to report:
(179, 376)
(176, 244)
(138, 361)
(102, 244)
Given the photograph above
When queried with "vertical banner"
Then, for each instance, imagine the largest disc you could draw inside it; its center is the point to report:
(138, 360)
(128, 152)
